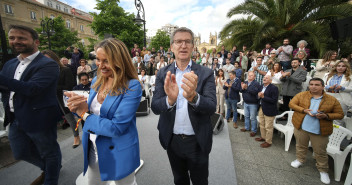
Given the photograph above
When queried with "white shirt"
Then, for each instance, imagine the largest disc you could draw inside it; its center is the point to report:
(95, 109)
(24, 62)
(275, 78)
(152, 82)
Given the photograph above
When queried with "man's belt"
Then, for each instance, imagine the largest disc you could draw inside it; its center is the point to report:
(184, 136)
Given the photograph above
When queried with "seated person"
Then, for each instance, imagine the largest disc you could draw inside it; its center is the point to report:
(84, 82)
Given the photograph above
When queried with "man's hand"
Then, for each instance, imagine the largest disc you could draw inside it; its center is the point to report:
(321, 115)
(332, 87)
(244, 85)
(261, 94)
(189, 86)
(171, 88)
(308, 111)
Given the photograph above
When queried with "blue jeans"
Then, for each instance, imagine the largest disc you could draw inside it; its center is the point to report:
(38, 148)
(285, 65)
(231, 103)
(250, 116)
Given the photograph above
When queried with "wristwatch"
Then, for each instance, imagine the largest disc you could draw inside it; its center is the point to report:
(194, 100)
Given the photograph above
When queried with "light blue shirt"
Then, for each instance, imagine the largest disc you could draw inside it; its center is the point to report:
(312, 124)
(182, 122)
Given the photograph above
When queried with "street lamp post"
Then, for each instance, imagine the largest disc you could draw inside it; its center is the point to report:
(138, 19)
(47, 29)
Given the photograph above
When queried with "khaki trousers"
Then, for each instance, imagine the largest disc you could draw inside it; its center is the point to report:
(220, 97)
(319, 144)
(266, 124)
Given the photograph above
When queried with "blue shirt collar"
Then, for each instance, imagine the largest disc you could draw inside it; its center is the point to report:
(188, 66)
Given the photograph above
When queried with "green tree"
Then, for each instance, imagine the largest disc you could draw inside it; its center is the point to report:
(113, 19)
(160, 39)
(274, 20)
(62, 38)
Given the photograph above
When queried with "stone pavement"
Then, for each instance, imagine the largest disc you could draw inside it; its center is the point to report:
(269, 166)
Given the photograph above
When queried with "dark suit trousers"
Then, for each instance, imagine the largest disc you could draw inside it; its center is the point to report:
(188, 161)
(286, 100)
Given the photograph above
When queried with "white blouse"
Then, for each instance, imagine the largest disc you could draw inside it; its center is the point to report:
(95, 109)
(275, 78)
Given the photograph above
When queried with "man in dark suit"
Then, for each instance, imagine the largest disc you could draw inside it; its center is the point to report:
(28, 85)
(268, 95)
(185, 98)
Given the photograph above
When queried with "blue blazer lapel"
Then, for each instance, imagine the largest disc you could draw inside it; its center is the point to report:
(105, 107)
(12, 68)
(32, 64)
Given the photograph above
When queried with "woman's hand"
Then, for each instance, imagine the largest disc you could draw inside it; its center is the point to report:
(76, 103)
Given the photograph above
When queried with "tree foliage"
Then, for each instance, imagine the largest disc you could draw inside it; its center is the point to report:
(62, 38)
(113, 19)
(274, 20)
(160, 39)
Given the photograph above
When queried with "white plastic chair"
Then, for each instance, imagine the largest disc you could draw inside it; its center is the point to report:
(240, 111)
(348, 180)
(287, 129)
(333, 149)
(3, 131)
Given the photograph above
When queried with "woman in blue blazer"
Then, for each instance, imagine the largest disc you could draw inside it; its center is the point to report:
(110, 138)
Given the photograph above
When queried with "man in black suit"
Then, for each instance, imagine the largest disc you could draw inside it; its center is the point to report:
(268, 95)
(185, 98)
(28, 85)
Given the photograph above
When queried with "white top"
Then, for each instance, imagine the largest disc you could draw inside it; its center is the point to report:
(275, 78)
(24, 62)
(95, 109)
(152, 82)
(159, 65)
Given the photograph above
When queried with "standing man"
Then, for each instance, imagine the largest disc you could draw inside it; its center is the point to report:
(147, 57)
(292, 80)
(250, 90)
(243, 61)
(232, 96)
(227, 68)
(269, 95)
(260, 70)
(313, 121)
(284, 53)
(162, 51)
(75, 57)
(139, 65)
(144, 52)
(266, 52)
(185, 98)
(29, 96)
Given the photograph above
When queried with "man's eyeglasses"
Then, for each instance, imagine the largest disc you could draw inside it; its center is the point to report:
(180, 42)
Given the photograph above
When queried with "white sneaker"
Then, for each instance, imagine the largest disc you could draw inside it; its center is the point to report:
(324, 177)
(296, 163)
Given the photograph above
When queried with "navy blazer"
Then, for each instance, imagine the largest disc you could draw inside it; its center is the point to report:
(117, 137)
(35, 103)
(235, 89)
(250, 95)
(199, 116)
(269, 102)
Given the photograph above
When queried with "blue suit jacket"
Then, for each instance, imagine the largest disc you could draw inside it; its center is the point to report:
(35, 103)
(199, 116)
(117, 140)
(235, 89)
(269, 102)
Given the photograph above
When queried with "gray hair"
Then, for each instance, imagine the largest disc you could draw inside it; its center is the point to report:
(270, 77)
(182, 29)
(302, 41)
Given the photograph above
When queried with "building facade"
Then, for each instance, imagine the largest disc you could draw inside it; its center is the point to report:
(169, 28)
(213, 40)
(30, 13)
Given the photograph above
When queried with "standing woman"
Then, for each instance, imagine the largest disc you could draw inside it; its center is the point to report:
(220, 92)
(84, 68)
(325, 65)
(143, 78)
(301, 54)
(338, 84)
(110, 138)
(276, 74)
(66, 82)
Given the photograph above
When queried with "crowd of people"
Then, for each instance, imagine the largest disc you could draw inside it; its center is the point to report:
(186, 86)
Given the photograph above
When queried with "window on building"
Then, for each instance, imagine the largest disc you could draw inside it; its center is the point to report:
(8, 9)
(65, 10)
(81, 28)
(33, 15)
(68, 24)
(58, 7)
(50, 4)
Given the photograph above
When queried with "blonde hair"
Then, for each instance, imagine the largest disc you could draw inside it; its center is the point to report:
(347, 73)
(121, 66)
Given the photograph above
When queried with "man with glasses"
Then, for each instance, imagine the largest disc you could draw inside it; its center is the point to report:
(185, 98)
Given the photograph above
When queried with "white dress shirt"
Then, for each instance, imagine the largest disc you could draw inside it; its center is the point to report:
(24, 62)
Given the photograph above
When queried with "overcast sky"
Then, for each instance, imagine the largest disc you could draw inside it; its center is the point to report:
(202, 16)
